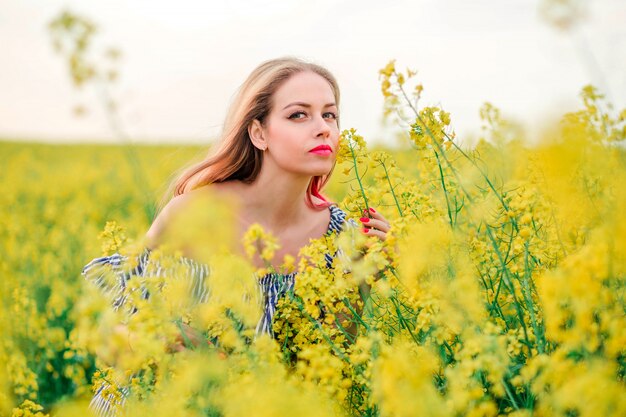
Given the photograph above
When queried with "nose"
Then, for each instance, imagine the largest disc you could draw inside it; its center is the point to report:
(322, 127)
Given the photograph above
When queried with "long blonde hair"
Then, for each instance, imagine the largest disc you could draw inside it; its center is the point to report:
(235, 157)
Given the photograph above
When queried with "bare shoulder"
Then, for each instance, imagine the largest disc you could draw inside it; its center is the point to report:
(174, 208)
(181, 205)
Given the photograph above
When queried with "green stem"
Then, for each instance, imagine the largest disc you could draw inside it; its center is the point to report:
(445, 190)
(529, 302)
(188, 344)
(391, 188)
(402, 320)
(482, 173)
(510, 394)
(317, 325)
(507, 281)
(356, 172)
(355, 313)
(115, 124)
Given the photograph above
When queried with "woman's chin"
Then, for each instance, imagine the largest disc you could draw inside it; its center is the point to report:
(323, 169)
(312, 170)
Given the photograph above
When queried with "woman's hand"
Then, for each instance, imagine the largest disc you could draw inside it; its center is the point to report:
(188, 335)
(190, 338)
(374, 224)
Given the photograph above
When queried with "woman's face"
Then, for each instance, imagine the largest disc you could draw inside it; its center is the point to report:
(303, 117)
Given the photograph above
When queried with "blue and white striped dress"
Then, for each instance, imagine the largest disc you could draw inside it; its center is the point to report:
(272, 288)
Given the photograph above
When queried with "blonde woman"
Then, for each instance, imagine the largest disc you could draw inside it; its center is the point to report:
(277, 151)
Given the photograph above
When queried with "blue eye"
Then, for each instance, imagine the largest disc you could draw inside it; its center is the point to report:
(296, 115)
(293, 116)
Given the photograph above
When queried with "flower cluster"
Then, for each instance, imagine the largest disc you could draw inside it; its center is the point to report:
(257, 241)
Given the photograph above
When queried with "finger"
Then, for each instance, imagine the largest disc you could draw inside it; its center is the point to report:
(374, 232)
(194, 337)
(376, 224)
(375, 214)
(175, 347)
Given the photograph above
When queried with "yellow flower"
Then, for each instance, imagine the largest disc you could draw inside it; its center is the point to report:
(389, 69)
(257, 240)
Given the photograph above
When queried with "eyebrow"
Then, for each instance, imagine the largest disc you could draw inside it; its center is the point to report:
(299, 103)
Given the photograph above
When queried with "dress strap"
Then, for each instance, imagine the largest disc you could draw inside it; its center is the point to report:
(337, 218)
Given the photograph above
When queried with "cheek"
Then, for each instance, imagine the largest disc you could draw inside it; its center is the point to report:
(281, 132)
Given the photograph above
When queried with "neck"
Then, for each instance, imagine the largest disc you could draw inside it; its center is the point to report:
(277, 201)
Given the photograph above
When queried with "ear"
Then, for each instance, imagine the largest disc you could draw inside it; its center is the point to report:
(255, 131)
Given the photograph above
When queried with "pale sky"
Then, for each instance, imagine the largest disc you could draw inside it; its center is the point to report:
(183, 61)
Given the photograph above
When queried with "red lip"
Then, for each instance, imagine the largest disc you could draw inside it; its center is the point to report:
(321, 147)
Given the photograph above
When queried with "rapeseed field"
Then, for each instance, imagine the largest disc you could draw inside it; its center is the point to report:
(499, 290)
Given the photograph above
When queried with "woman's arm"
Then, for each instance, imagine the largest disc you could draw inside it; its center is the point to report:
(374, 224)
